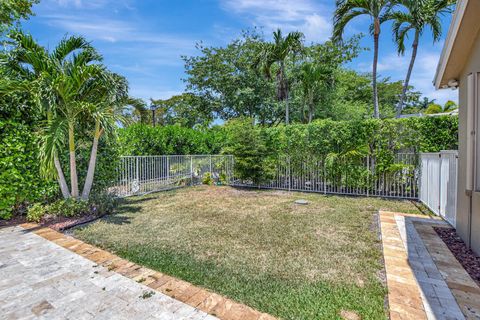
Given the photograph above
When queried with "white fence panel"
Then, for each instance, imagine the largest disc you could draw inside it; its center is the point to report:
(438, 183)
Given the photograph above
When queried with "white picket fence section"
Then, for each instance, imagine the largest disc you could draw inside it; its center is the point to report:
(438, 183)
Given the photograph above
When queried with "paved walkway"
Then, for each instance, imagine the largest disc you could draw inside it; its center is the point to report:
(46, 274)
(424, 279)
(39, 279)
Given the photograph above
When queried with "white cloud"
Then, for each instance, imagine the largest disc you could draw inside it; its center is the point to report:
(91, 4)
(301, 15)
(156, 48)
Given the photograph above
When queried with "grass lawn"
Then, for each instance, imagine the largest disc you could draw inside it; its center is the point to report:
(258, 247)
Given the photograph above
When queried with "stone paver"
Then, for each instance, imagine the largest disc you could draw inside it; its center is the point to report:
(465, 291)
(41, 280)
(404, 297)
(205, 303)
(424, 279)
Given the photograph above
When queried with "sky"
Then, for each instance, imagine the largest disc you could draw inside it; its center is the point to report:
(144, 40)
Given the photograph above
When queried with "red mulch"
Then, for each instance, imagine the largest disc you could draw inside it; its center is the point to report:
(467, 258)
(63, 223)
(16, 220)
(56, 223)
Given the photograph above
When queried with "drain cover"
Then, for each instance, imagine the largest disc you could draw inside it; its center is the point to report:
(301, 202)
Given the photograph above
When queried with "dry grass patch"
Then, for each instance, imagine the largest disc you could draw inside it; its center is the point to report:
(258, 247)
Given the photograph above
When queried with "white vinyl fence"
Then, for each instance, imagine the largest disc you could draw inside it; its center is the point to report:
(143, 174)
(438, 183)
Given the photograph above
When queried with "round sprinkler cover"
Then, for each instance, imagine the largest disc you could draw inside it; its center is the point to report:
(301, 202)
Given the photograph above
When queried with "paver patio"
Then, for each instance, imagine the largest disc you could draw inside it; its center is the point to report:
(46, 274)
(39, 279)
(424, 279)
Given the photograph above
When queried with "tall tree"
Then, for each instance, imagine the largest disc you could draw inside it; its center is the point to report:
(69, 84)
(346, 11)
(13, 10)
(415, 16)
(226, 83)
(106, 109)
(277, 53)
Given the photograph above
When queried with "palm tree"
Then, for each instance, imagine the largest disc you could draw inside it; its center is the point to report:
(309, 79)
(277, 53)
(107, 110)
(46, 74)
(69, 84)
(416, 16)
(346, 11)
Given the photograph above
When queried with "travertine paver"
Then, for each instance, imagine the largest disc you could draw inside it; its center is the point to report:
(404, 297)
(196, 297)
(39, 279)
(416, 257)
(461, 285)
(438, 301)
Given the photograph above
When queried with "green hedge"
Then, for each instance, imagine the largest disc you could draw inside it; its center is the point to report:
(20, 182)
(255, 148)
(141, 139)
(426, 134)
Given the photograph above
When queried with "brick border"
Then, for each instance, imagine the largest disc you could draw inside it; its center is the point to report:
(197, 297)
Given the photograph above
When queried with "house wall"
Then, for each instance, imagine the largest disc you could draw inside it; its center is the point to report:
(465, 227)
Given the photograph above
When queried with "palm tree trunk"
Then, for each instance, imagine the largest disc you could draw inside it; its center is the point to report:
(61, 178)
(409, 73)
(310, 107)
(91, 165)
(284, 83)
(376, 35)
(73, 162)
(287, 111)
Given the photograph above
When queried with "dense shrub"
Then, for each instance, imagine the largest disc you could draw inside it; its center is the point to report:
(426, 134)
(141, 139)
(108, 158)
(59, 208)
(347, 142)
(20, 182)
(99, 204)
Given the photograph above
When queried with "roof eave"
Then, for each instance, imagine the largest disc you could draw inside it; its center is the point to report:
(448, 46)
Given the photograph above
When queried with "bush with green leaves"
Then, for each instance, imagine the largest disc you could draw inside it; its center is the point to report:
(248, 144)
(143, 139)
(20, 182)
(99, 204)
(208, 179)
(256, 148)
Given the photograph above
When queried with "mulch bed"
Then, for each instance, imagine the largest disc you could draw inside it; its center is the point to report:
(56, 223)
(467, 258)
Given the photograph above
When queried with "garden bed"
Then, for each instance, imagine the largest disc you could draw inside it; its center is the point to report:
(467, 258)
(315, 261)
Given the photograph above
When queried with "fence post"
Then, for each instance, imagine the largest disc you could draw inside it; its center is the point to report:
(136, 169)
(289, 174)
(168, 169)
(440, 184)
(210, 165)
(191, 170)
